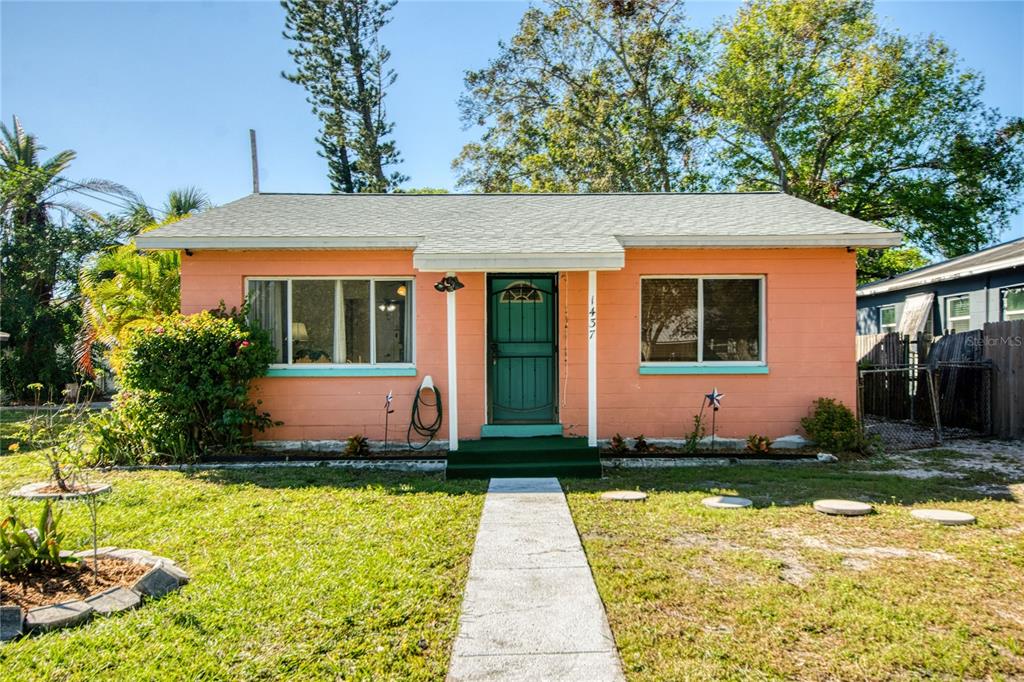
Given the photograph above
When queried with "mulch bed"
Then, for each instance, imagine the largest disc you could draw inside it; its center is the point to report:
(260, 455)
(76, 581)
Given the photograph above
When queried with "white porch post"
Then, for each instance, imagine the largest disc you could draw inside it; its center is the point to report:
(592, 358)
(453, 381)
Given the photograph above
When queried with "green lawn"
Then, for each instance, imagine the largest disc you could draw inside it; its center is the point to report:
(782, 592)
(297, 573)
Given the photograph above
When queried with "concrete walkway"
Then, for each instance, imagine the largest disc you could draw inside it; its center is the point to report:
(531, 610)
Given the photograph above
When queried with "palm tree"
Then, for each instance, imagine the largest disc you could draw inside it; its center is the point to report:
(33, 191)
(41, 225)
(125, 288)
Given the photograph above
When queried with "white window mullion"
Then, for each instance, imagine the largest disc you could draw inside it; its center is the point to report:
(339, 346)
(373, 323)
(700, 319)
(288, 326)
(762, 320)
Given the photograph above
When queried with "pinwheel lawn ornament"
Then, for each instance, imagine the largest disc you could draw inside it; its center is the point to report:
(714, 401)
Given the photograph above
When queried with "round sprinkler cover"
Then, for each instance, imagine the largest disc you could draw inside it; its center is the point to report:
(945, 517)
(624, 496)
(726, 502)
(842, 507)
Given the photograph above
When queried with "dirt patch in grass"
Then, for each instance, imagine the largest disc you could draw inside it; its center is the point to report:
(782, 592)
(75, 581)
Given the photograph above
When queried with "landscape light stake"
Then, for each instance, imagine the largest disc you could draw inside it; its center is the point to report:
(93, 502)
(387, 411)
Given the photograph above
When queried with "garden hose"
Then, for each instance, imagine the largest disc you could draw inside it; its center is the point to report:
(416, 424)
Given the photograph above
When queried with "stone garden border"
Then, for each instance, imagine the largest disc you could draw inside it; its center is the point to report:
(164, 576)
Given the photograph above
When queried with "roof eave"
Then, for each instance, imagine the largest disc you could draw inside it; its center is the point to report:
(910, 283)
(157, 242)
(517, 262)
(879, 240)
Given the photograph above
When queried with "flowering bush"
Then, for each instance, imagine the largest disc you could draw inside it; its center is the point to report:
(186, 382)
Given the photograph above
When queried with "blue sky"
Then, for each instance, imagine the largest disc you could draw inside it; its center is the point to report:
(157, 95)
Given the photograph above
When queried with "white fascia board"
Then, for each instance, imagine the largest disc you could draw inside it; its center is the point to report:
(885, 287)
(517, 262)
(157, 242)
(862, 240)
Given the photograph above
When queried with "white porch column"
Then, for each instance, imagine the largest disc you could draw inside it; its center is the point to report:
(592, 358)
(453, 381)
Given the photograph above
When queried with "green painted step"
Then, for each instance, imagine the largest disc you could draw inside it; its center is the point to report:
(553, 469)
(532, 444)
(539, 456)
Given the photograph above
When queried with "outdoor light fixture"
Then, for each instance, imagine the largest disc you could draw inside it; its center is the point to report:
(448, 284)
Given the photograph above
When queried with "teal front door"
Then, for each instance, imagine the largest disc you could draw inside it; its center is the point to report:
(522, 343)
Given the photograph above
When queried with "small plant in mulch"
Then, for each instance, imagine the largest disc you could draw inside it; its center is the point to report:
(26, 549)
(357, 446)
(640, 445)
(758, 445)
(617, 445)
(694, 436)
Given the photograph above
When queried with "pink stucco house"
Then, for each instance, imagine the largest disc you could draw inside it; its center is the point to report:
(579, 315)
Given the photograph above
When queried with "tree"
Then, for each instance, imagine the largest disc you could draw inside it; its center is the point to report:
(45, 235)
(125, 287)
(588, 96)
(342, 65)
(814, 98)
(875, 264)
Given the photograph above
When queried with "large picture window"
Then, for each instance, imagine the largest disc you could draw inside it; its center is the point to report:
(702, 320)
(335, 321)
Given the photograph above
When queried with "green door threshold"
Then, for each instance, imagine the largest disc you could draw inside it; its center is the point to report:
(519, 430)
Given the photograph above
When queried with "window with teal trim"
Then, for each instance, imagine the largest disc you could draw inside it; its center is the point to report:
(702, 321)
(319, 322)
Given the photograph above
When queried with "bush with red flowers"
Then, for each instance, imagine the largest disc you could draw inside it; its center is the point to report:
(186, 389)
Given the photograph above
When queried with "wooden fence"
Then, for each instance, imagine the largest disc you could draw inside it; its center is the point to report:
(999, 344)
(1003, 345)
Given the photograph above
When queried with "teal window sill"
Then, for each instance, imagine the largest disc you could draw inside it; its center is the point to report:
(703, 369)
(301, 371)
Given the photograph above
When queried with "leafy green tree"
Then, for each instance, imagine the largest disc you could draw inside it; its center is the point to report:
(588, 96)
(125, 288)
(875, 264)
(44, 234)
(814, 98)
(343, 67)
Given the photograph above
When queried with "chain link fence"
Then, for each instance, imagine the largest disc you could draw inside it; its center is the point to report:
(923, 405)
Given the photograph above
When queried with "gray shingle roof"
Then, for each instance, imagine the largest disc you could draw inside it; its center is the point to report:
(465, 228)
(1008, 255)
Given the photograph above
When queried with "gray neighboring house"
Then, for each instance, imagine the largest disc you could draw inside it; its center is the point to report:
(959, 294)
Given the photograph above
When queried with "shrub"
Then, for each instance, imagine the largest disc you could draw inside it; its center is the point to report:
(357, 446)
(618, 445)
(758, 444)
(833, 426)
(186, 382)
(640, 444)
(24, 549)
